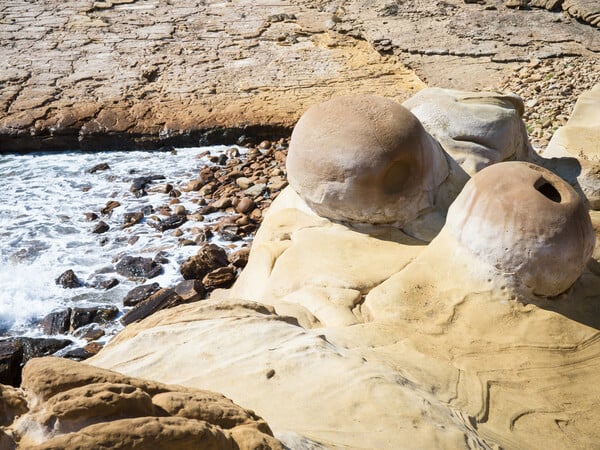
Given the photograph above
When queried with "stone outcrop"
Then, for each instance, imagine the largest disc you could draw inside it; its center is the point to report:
(357, 335)
(150, 74)
(476, 128)
(580, 139)
(68, 405)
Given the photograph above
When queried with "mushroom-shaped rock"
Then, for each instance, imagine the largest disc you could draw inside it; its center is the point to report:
(365, 159)
(526, 222)
(476, 128)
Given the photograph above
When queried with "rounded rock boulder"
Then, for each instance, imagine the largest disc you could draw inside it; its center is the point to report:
(365, 159)
(526, 222)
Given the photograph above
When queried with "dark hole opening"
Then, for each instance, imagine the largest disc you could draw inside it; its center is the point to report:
(547, 190)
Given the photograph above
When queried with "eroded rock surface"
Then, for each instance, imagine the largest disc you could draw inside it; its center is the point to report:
(67, 405)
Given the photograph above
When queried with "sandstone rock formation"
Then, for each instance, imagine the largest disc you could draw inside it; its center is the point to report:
(357, 335)
(580, 139)
(476, 128)
(67, 405)
(145, 74)
(365, 159)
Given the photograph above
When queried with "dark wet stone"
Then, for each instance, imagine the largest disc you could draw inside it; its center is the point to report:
(138, 267)
(11, 355)
(69, 280)
(208, 258)
(130, 219)
(164, 298)
(240, 257)
(190, 290)
(78, 354)
(36, 347)
(169, 223)
(223, 277)
(108, 284)
(89, 332)
(91, 216)
(110, 205)
(139, 184)
(98, 168)
(101, 227)
(140, 293)
(161, 258)
(147, 210)
(57, 322)
(94, 314)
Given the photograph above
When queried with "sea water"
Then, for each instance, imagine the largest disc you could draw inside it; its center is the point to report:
(44, 231)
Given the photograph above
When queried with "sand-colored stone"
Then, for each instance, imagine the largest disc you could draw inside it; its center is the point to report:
(476, 128)
(69, 405)
(580, 139)
(12, 404)
(365, 159)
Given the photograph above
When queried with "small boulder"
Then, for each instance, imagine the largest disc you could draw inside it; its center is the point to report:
(190, 290)
(223, 277)
(164, 298)
(208, 258)
(110, 205)
(57, 322)
(69, 280)
(139, 293)
(95, 314)
(138, 267)
(101, 227)
(98, 168)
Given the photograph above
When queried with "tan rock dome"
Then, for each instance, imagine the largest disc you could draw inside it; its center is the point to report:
(526, 222)
(365, 159)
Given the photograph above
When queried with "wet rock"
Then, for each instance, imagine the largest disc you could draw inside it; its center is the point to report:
(139, 293)
(110, 205)
(169, 223)
(256, 190)
(190, 290)
(91, 216)
(163, 298)
(69, 280)
(161, 188)
(107, 284)
(89, 332)
(132, 218)
(179, 210)
(208, 258)
(11, 355)
(240, 258)
(245, 205)
(96, 314)
(139, 184)
(195, 185)
(93, 347)
(138, 267)
(78, 354)
(101, 227)
(223, 277)
(57, 322)
(98, 168)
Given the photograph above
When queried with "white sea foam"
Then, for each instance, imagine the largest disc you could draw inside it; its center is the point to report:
(43, 231)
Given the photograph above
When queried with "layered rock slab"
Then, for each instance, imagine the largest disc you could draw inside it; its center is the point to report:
(151, 73)
(66, 405)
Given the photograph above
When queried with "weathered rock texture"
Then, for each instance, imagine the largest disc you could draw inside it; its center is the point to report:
(149, 73)
(92, 74)
(359, 336)
(67, 405)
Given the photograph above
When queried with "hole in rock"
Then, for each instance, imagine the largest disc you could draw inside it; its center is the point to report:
(544, 187)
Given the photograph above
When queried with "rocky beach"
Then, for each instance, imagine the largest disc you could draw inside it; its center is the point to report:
(369, 280)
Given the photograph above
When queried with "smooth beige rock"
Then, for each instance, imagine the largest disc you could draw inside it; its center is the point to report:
(580, 139)
(476, 128)
(525, 222)
(365, 159)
